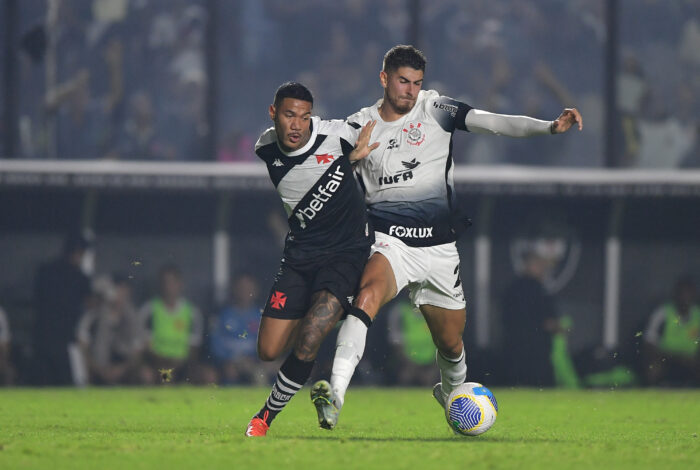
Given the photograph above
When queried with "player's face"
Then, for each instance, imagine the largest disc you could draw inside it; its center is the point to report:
(292, 120)
(401, 87)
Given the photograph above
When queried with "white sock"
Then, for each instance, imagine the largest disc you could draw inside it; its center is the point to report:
(348, 351)
(453, 372)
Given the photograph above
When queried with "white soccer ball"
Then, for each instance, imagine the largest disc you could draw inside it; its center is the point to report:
(471, 409)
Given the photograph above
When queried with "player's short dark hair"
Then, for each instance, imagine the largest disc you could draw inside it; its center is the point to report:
(403, 56)
(292, 90)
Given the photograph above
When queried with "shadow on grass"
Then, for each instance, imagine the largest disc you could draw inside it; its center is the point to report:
(455, 439)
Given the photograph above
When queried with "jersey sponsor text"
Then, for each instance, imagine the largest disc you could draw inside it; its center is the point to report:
(325, 192)
(411, 232)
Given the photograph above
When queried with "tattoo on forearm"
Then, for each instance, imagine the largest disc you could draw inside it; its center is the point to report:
(325, 312)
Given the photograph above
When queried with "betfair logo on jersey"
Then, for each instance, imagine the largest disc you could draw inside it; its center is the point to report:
(401, 175)
(319, 198)
(410, 232)
(450, 108)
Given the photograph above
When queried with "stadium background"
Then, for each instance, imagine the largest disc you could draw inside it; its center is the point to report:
(134, 121)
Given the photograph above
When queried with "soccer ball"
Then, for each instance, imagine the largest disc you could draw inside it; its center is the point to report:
(471, 409)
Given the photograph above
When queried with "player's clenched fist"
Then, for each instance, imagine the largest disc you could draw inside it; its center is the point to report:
(566, 119)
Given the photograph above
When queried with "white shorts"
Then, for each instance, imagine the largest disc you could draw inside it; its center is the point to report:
(431, 272)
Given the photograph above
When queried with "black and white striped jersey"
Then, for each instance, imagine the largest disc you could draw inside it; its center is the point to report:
(408, 180)
(325, 208)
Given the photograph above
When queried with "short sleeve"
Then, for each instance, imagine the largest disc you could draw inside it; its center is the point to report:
(346, 130)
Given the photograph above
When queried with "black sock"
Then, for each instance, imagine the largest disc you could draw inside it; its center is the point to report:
(291, 377)
(362, 315)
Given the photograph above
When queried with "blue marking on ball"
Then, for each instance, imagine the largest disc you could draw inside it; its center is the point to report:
(485, 391)
(464, 414)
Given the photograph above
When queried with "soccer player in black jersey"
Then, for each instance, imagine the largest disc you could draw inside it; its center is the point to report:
(309, 162)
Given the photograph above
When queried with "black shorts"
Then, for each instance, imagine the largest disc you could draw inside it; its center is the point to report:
(295, 283)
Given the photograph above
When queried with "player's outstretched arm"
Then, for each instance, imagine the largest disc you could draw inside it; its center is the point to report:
(566, 120)
(484, 122)
(362, 146)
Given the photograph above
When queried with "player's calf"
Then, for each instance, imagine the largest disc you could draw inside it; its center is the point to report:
(323, 316)
(296, 369)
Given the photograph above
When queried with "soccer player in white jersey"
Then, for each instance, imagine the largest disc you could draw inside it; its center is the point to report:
(409, 192)
(309, 162)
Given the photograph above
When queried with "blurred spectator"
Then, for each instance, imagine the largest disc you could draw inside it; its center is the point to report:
(236, 147)
(234, 335)
(672, 337)
(158, 50)
(529, 320)
(632, 93)
(173, 328)
(110, 335)
(61, 293)
(140, 139)
(413, 348)
(7, 372)
(666, 140)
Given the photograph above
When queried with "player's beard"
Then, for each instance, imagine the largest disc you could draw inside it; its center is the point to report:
(398, 107)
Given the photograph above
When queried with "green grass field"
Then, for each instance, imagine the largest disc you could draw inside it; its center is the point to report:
(202, 428)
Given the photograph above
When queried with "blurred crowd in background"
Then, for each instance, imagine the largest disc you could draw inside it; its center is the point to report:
(93, 331)
(191, 80)
(164, 80)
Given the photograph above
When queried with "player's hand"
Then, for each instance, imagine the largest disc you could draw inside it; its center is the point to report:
(566, 119)
(362, 146)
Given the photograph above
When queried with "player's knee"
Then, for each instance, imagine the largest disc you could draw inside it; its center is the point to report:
(450, 347)
(267, 353)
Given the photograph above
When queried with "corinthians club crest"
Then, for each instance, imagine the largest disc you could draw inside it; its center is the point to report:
(415, 135)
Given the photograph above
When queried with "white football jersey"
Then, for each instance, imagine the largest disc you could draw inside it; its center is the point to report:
(408, 180)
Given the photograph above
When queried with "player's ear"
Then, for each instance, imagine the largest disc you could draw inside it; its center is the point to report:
(272, 111)
(383, 78)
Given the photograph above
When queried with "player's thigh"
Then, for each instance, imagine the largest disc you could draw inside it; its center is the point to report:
(446, 327)
(286, 305)
(442, 284)
(275, 336)
(377, 285)
(340, 275)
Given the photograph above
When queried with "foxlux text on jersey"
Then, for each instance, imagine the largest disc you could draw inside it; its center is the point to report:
(319, 199)
(411, 232)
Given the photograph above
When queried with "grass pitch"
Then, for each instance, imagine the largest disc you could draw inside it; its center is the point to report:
(202, 428)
